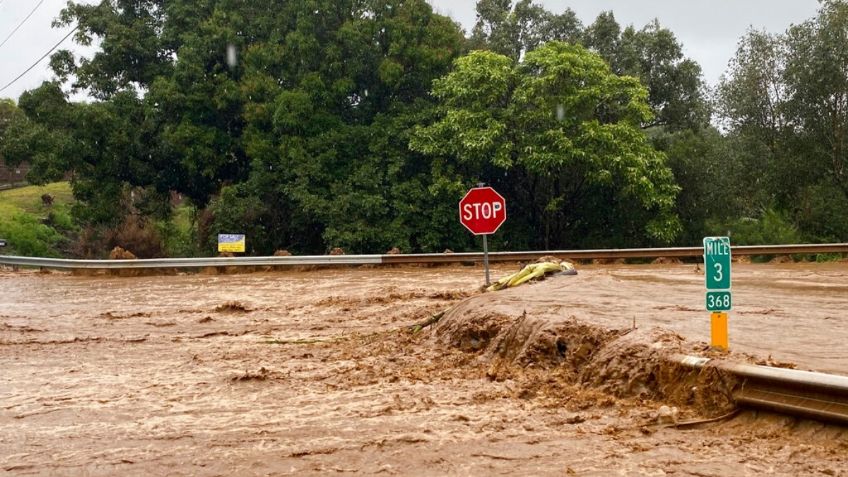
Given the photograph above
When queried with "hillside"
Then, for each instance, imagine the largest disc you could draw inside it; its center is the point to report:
(31, 227)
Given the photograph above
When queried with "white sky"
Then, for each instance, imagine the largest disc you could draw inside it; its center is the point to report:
(30, 42)
(708, 30)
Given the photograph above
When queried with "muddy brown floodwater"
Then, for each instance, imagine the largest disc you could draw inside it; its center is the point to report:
(314, 373)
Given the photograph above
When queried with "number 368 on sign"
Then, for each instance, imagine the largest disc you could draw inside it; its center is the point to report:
(719, 301)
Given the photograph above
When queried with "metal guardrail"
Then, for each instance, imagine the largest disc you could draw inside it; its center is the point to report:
(306, 260)
(789, 391)
(613, 254)
(61, 263)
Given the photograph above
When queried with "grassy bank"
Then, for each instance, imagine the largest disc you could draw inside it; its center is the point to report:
(32, 228)
(35, 229)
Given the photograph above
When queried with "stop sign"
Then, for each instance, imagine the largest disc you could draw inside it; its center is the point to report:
(482, 210)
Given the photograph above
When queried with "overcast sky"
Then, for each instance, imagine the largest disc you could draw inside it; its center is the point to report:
(708, 29)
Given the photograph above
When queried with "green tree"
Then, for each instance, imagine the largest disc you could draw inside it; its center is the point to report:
(12, 126)
(784, 100)
(653, 54)
(9, 112)
(328, 145)
(816, 80)
(559, 133)
(751, 102)
(603, 37)
(677, 93)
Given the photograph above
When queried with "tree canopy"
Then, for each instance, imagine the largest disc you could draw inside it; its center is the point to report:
(785, 101)
(565, 129)
(315, 124)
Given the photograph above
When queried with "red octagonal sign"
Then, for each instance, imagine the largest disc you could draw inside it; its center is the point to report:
(482, 210)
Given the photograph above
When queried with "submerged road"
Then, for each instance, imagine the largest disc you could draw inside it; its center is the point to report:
(300, 373)
(795, 312)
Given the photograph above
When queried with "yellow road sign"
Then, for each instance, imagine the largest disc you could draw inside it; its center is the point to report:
(233, 243)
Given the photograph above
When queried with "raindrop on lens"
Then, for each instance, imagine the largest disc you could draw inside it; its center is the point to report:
(232, 55)
(560, 112)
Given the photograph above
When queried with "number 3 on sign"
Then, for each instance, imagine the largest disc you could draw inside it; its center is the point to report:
(718, 275)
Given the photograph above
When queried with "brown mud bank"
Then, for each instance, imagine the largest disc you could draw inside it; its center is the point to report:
(629, 362)
(624, 363)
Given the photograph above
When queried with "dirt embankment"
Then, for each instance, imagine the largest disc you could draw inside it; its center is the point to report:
(625, 363)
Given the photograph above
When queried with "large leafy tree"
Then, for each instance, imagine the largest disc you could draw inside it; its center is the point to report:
(102, 145)
(298, 110)
(334, 148)
(676, 91)
(751, 102)
(559, 133)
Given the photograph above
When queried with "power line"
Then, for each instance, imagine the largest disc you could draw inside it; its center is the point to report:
(21, 23)
(39, 60)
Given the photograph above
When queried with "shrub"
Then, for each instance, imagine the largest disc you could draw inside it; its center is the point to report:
(235, 211)
(179, 239)
(773, 228)
(89, 244)
(27, 236)
(822, 214)
(60, 219)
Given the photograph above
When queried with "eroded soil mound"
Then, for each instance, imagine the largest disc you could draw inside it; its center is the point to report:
(119, 253)
(625, 363)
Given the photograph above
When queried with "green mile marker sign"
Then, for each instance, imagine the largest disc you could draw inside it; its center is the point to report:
(717, 273)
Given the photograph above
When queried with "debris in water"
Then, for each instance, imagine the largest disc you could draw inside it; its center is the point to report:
(260, 375)
(667, 415)
(232, 306)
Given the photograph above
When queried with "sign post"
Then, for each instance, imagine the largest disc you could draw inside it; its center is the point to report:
(718, 299)
(482, 211)
(486, 259)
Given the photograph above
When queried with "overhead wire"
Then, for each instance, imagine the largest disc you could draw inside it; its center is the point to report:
(21, 23)
(40, 59)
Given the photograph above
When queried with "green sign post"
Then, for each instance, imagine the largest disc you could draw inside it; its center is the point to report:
(718, 298)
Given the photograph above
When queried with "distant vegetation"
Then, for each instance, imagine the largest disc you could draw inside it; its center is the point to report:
(34, 226)
(316, 124)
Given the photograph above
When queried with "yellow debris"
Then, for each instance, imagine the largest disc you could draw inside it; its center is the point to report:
(530, 272)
